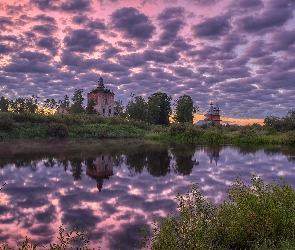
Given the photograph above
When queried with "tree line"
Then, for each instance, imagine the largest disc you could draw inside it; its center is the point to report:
(156, 110)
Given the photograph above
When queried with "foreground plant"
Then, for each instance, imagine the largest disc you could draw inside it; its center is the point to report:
(75, 238)
(256, 216)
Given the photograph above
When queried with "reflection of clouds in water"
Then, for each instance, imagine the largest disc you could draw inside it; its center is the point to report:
(36, 203)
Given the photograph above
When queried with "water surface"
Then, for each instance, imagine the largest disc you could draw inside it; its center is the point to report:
(112, 187)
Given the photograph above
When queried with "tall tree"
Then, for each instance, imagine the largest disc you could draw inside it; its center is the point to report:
(159, 108)
(137, 108)
(77, 99)
(184, 109)
(119, 108)
(4, 104)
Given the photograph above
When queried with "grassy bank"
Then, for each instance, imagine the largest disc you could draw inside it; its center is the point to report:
(26, 125)
(221, 135)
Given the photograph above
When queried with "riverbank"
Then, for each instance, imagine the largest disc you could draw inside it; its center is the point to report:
(27, 126)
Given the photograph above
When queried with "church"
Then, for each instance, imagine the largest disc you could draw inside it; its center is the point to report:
(212, 115)
(103, 99)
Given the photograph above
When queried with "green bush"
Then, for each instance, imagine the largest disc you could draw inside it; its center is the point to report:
(192, 131)
(290, 138)
(176, 128)
(59, 130)
(255, 216)
(159, 129)
(6, 122)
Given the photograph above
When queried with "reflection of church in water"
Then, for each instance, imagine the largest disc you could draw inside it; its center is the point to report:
(213, 154)
(100, 169)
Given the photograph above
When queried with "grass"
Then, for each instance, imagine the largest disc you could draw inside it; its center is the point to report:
(26, 125)
(256, 216)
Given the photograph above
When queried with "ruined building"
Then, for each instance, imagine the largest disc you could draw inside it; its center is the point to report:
(103, 99)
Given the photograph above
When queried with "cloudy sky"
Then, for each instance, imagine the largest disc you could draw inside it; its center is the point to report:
(241, 52)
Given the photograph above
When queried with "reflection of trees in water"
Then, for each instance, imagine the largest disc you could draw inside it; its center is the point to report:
(50, 162)
(118, 160)
(136, 162)
(76, 164)
(155, 158)
(63, 162)
(158, 162)
(31, 164)
(183, 155)
(290, 152)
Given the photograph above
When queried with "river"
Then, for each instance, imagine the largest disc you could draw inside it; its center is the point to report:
(113, 187)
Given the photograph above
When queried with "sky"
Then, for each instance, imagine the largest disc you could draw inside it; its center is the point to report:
(240, 52)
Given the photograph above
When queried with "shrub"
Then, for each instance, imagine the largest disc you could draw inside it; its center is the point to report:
(176, 128)
(290, 137)
(159, 129)
(59, 130)
(6, 122)
(192, 131)
(256, 216)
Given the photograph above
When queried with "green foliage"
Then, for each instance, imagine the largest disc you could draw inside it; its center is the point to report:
(77, 106)
(290, 137)
(50, 103)
(21, 105)
(75, 238)
(283, 124)
(104, 131)
(65, 103)
(247, 132)
(119, 108)
(4, 104)
(6, 122)
(159, 108)
(176, 129)
(256, 216)
(90, 107)
(59, 130)
(184, 109)
(136, 109)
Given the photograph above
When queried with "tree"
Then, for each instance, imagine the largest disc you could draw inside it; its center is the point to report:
(65, 103)
(119, 108)
(184, 109)
(136, 108)
(4, 104)
(21, 105)
(77, 106)
(50, 105)
(90, 107)
(159, 108)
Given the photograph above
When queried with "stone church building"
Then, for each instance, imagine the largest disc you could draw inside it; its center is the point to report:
(103, 99)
